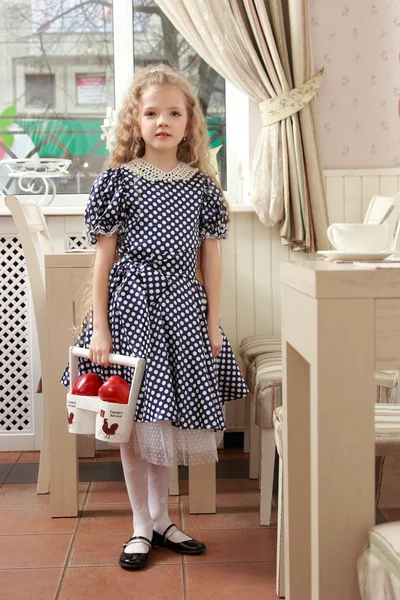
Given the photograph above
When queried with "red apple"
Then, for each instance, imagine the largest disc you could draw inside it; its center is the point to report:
(87, 385)
(115, 389)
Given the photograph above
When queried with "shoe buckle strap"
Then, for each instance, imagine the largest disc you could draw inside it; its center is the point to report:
(171, 529)
(137, 539)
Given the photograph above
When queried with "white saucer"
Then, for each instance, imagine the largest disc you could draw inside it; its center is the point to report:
(355, 256)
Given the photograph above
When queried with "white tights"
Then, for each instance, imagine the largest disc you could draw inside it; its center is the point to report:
(147, 486)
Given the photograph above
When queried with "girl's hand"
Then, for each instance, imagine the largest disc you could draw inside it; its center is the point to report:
(215, 335)
(100, 347)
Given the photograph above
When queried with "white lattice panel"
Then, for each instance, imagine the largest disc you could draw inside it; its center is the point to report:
(15, 403)
(77, 242)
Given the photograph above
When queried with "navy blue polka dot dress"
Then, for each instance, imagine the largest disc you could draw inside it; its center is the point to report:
(157, 308)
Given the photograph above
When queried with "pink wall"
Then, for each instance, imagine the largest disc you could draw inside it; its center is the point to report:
(358, 43)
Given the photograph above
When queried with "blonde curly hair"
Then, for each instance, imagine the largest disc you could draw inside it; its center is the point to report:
(128, 143)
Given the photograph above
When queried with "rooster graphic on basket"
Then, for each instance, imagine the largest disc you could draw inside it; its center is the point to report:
(109, 430)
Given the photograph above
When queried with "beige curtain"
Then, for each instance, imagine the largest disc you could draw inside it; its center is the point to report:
(245, 42)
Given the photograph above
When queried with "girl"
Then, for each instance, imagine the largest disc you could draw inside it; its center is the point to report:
(153, 209)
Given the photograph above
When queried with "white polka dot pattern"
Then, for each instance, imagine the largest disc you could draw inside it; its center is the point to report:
(157, 309)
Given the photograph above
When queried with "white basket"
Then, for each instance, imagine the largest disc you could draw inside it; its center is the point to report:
(108, 421)
(82, 412)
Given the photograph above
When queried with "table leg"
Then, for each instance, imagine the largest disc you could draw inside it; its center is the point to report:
(342, 444)
(63, 446)
(202, 489)
(328, 443)
(296, 497)
(174, 477)
(86, 446)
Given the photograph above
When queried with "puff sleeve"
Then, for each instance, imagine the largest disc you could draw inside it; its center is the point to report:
(105, 211)
(214, 215)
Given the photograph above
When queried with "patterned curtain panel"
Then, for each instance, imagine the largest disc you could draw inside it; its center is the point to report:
(245, 42)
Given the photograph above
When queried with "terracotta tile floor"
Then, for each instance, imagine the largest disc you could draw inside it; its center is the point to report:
(76, 559)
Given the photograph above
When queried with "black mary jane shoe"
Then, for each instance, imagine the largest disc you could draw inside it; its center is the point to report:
(191, 546)
(135, 560)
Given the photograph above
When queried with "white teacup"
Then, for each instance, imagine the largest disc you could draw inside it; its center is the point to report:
(358, 237)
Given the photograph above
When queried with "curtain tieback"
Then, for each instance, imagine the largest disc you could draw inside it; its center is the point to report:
(287, 104)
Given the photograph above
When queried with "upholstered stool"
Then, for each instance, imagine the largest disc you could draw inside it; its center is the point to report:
(387, 429)
(267, 374)
(387, 382)
(379, 565)
(249, 349)
(252, 346)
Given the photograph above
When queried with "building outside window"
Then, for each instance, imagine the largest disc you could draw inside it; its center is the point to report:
(57, 66)
(59, 63)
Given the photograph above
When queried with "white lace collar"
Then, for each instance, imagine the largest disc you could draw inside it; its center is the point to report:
(142, 168)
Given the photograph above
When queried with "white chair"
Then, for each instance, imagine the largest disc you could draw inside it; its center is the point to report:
(387, 443)
(379, 565)
(29, 219)
(249, 349)
(267, 374)
(378, 208)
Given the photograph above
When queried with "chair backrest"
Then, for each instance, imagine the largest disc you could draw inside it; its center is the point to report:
(37, 224)
(378, 207)
(27, 220)
(396, 239)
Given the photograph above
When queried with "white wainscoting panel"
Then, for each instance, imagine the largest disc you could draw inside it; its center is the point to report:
(252, 255)
(349, 192)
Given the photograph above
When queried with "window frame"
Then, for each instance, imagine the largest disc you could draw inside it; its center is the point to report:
(238, 112)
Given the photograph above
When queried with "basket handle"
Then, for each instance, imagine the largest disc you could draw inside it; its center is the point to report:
(116, 359)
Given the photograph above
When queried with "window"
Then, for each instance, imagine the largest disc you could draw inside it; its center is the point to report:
(57, 79)
(67, 60)
(40, 90)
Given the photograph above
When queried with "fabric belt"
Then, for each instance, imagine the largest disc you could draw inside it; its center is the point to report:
(154, 276)
(287, 104)
(154, 285)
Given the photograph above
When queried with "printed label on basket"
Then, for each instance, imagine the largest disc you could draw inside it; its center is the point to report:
(114, 422)
(80, 420)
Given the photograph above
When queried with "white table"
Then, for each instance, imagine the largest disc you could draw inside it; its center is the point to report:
(340, 322)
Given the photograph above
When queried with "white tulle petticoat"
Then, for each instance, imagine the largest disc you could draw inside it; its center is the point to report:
(159, 442)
